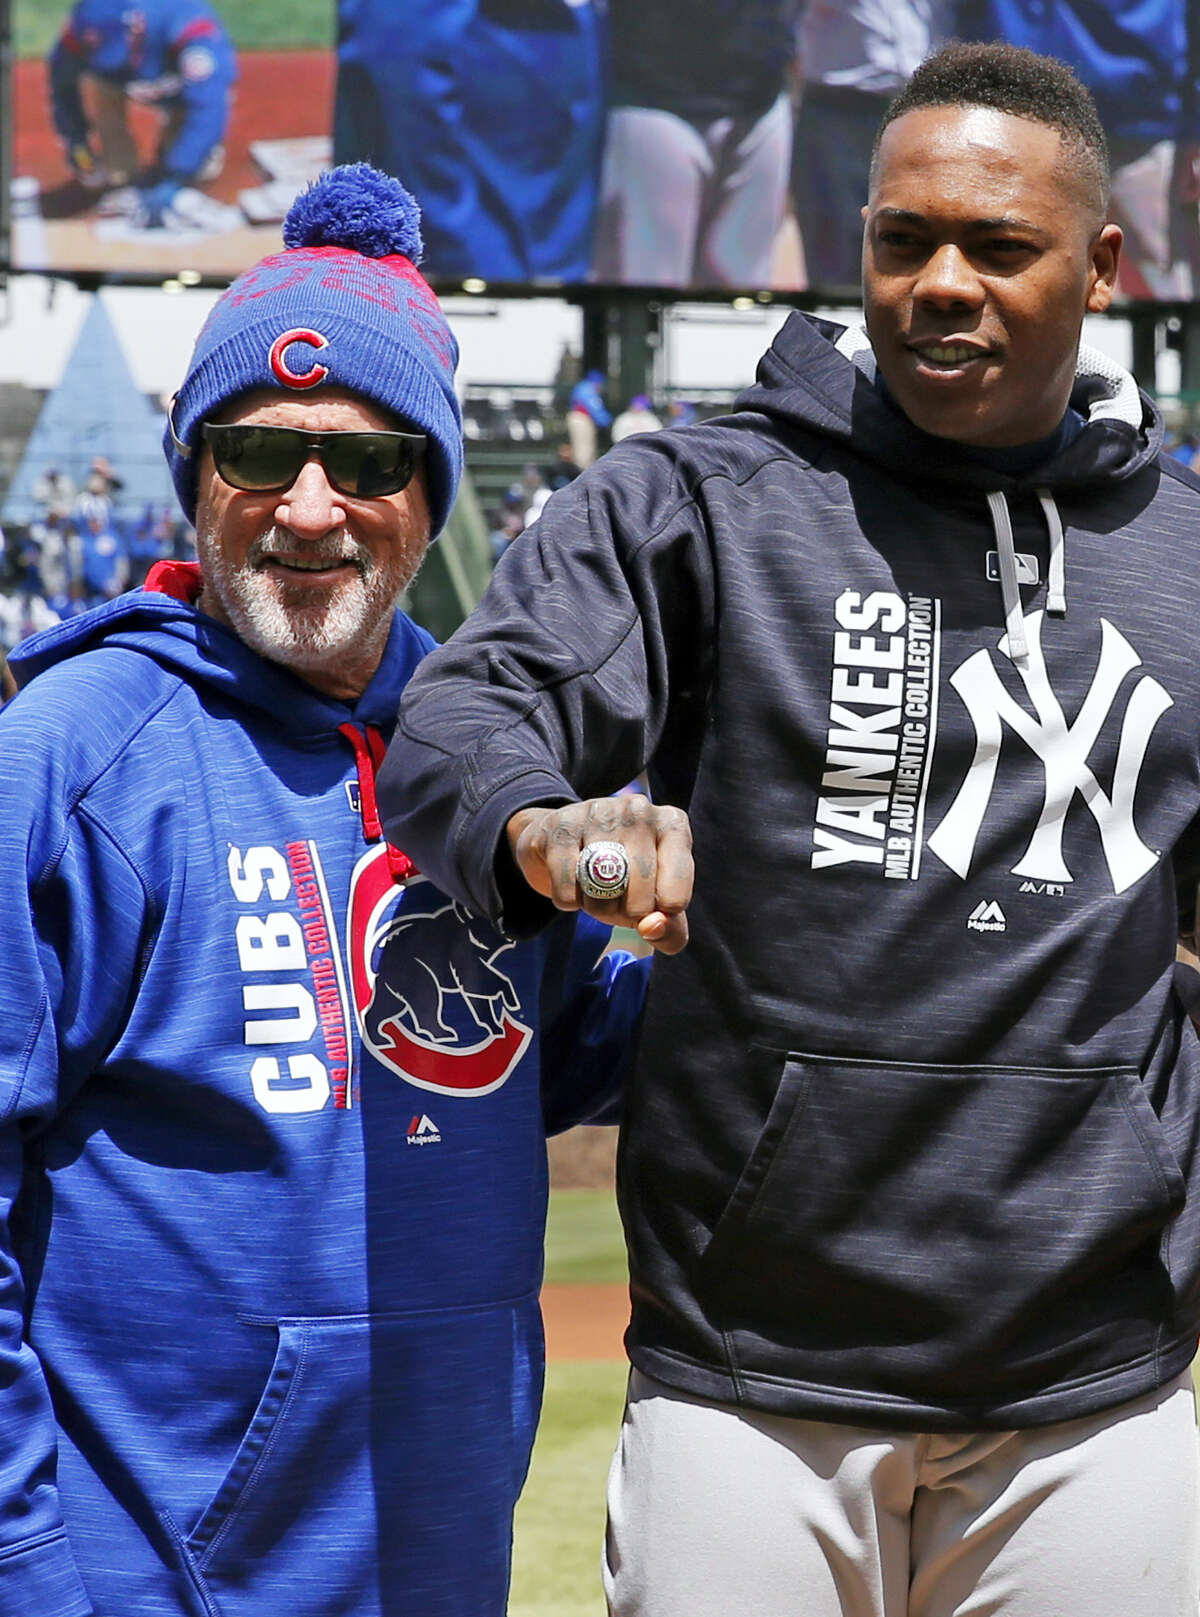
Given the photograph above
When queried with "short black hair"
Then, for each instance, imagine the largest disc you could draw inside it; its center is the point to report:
(1010, 79)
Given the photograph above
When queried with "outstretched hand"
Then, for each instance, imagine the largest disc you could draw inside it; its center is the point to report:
(546, 844)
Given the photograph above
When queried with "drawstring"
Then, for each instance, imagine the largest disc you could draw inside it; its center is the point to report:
(369, 748)
(1018, 647)
(1010, 589)
(1056, 593)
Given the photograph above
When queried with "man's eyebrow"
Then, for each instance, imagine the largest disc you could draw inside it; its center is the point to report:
(1002, 221)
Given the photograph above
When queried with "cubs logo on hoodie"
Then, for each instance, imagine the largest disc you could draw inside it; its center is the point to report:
(433, 1003)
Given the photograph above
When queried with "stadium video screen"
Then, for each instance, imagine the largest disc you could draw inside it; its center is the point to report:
(656, 144)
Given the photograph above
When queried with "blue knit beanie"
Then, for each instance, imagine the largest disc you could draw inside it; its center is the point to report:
(344, 305)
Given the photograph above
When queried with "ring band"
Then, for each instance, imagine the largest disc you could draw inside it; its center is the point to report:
(603, 870)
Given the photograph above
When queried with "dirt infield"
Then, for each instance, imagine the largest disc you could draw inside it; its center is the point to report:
(280, 95)
(583, 1159)
(585, 1322)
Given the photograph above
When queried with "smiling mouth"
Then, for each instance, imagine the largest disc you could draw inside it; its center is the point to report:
(309, 566)
(948, 356)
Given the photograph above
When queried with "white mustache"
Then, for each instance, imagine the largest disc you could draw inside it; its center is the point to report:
(333, 548)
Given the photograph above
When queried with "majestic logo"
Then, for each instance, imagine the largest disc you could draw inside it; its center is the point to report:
(298, 379)
(1063, 749)
(423, 1131)
(987, 916)
(433, 1005)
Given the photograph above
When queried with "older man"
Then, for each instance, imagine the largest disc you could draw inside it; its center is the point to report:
(911, 1167)
(273, 1158)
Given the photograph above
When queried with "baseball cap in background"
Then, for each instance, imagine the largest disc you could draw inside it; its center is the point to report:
(344, 305)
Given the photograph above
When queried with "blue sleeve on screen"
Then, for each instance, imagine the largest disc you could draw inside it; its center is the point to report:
(493, 119)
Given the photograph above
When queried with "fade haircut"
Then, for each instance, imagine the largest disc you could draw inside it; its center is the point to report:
(1010, 79)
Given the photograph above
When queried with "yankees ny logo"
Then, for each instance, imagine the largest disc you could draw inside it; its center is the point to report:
(1063, 751)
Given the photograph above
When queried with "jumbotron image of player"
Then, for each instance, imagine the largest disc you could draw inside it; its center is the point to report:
(172, 55)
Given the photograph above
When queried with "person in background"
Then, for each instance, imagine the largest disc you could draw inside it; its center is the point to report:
(54, 489)
(275, 1106)
(105, 562)
(636, 417)
(587, 416)
(697, 143)
(174, 56)
(563, 469)
(854, 56)
(910, 1162)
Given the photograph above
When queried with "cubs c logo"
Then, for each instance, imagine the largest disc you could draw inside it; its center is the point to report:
(432, 1003)
(297, 379)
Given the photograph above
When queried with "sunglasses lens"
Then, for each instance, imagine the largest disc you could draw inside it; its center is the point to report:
(369, 464)
(365, 465)
(257, 458)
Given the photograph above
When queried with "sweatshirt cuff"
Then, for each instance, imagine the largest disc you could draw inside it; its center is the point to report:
(40, 1579)
(495, 885)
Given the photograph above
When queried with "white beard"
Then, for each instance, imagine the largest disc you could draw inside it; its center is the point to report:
(305, 636)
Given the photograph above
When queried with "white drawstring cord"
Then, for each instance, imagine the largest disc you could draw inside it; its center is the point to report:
(1018, 647)
(1056, 583)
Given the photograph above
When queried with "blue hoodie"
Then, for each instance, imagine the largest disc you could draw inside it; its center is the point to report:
(274, 1148)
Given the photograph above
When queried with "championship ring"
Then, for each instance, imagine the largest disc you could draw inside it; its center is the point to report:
(603, 870)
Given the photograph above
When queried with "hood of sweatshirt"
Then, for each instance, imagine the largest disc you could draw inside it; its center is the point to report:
(821, 377)
(161, 622)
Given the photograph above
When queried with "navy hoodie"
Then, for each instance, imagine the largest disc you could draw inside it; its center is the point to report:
(914, 1136)
(273, 1153)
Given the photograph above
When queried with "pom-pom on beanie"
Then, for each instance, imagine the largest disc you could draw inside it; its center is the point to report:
(343, 305)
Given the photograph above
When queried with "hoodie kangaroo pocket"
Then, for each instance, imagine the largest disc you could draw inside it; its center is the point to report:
(926, 1231)
(379, 1471)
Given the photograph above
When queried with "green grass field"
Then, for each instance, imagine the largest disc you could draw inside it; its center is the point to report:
(584, 1245)
(560, 1520)
(270, 25)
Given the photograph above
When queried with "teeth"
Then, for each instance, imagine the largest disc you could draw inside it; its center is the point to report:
(301, 565)
(949, 353)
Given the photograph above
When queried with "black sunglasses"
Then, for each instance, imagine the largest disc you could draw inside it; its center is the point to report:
(266, 460)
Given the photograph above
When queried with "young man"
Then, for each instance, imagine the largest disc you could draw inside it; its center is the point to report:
(911, 1162)
(274, 1162)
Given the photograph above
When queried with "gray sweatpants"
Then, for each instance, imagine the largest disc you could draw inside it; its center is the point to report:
(723, 1512)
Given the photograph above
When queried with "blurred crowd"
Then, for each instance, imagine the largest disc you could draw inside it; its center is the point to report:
(83, 546)
(591, 429)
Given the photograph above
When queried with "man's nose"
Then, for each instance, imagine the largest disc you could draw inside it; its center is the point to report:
(948, 277)
(311, 506)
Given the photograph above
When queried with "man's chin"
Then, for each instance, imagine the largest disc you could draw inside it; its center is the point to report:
(305, 637)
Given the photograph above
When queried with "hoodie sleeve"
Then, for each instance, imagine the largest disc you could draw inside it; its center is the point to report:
(594, 635)
(592, 998)
(76, 915)
(204, 59)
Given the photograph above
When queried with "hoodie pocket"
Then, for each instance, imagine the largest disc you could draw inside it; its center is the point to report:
(925, 1231)
(378, 1474)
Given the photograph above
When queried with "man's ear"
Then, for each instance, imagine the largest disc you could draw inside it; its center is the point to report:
(1106, 256)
